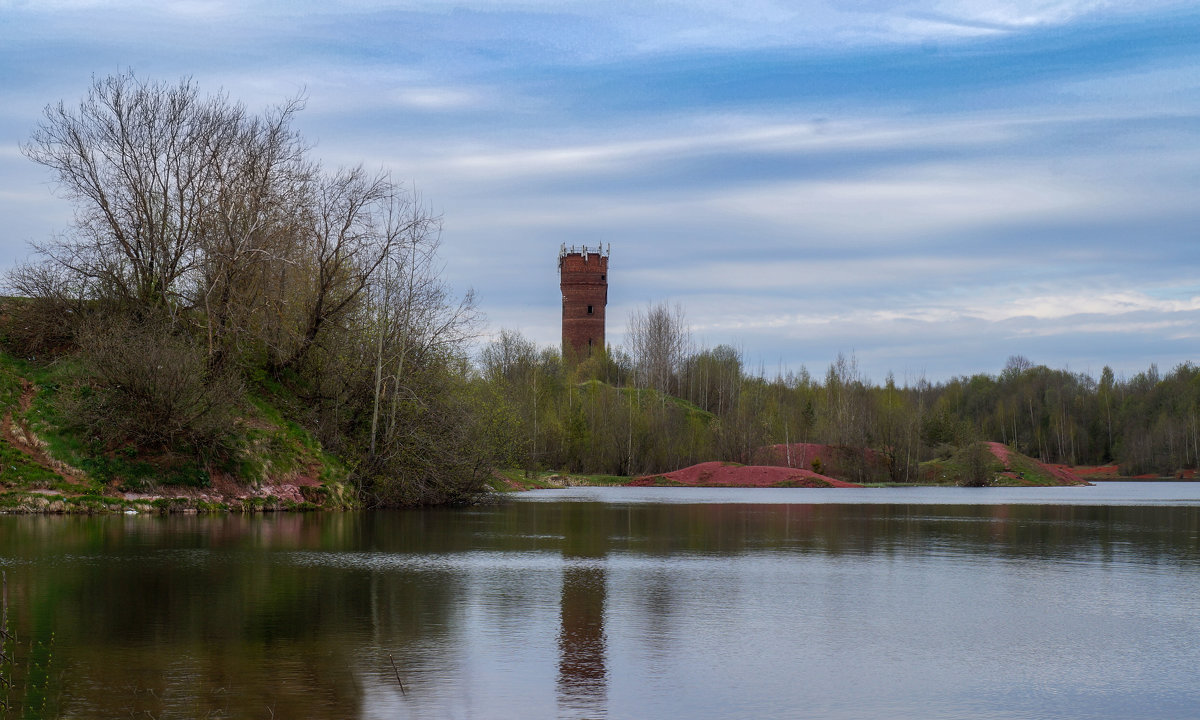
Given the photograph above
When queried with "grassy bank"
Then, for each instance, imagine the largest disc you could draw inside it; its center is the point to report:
(50, 465)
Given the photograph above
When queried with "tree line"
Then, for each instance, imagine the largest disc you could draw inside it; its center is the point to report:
(664, 404)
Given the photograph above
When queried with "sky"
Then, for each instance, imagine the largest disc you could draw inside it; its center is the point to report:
(930, 186)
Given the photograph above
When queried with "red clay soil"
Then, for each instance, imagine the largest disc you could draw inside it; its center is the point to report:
(1063, 474)
(1086, 471)
(717, 474)
(1000, 451)
(1113, 472)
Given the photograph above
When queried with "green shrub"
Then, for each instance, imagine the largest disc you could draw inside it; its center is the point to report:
(142, 382)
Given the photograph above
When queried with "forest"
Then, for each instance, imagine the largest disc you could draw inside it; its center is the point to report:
(662, 406)
(217, 275)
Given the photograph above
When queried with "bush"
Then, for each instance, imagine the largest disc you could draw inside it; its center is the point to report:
(433, 454)
(141, 381)
(36, 327)
(978, 471)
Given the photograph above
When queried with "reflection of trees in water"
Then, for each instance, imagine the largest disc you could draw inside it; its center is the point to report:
(200, 617)
(186, 617)
(834, 529)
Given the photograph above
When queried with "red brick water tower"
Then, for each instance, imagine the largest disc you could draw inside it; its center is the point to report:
(583, 279)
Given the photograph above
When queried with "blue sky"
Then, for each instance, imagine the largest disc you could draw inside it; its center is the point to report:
(931, 185)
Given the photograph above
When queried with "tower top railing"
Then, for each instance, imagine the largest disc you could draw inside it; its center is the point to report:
(583, 250)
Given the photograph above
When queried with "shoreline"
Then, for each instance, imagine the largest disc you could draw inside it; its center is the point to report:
(38, 501)
(26, 502)
(171, 499)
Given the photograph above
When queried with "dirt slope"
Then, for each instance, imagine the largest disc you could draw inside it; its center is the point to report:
(717, 474)
(1024, 470)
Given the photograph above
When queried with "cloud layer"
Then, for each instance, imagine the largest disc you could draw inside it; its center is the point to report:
(933, 185)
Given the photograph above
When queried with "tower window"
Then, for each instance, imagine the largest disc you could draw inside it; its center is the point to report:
(602, 278)
(589, 309)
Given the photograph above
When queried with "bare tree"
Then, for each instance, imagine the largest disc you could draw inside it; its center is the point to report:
(417, 320)
(252, 228)
(191, 202)
(355, 223)
(509, 357)
(660, 339)
(136, 157)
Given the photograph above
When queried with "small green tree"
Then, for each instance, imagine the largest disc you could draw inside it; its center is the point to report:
(979, 459)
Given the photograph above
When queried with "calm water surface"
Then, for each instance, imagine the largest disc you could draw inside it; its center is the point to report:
(626, 603)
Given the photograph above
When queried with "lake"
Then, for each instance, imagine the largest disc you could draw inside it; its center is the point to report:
(1079, 602)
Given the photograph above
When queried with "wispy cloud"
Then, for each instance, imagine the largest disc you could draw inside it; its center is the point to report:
(933, 183)
(436, 98)
(1051, 307)
(990, 305)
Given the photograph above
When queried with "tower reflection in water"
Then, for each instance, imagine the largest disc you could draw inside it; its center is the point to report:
(582, 674)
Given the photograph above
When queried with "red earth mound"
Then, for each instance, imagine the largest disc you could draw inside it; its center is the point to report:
(1113, 472)
(1000, 451)
(1064, 475)
(717, 474)
(1099, 471)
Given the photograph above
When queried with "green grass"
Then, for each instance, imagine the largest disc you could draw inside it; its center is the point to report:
(17, 467)
(606, 480)
(952, 470)
(281, 446)
(1031, 473)
(645, 395)
(519, 478)
(664, 481)
(264, 444)
(650, 395)
(136, 473)
(10, 386)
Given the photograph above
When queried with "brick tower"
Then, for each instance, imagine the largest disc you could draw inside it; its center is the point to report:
(583, 279)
